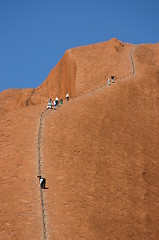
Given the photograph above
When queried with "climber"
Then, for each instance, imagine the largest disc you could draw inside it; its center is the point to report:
(49, 100)
(57, 101)
(112, 79)
(61, 101)
(54, 105)
(42, 182)
(67, 97)
(49, 105)
(108, 81)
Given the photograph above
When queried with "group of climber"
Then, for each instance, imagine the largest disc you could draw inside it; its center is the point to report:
(110, 81)
(53, 103)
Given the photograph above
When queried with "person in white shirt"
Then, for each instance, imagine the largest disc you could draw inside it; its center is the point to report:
(108, 81)
(54, 105)
(67, 97)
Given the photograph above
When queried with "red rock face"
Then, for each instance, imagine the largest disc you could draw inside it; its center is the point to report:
(98, 152)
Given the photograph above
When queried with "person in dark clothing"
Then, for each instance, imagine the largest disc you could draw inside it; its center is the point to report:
(42, 182)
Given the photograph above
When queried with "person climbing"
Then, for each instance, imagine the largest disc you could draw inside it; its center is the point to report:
(67, 97)
(108, 81)
(57, 101)
(61, 101)
(42, 182)
(112, 79)
(49, 105)
(54, 105)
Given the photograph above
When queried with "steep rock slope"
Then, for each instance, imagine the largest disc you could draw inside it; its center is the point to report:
(100, 155)
(20, 208)
(99, 151)
(79, 71)
(85, 68)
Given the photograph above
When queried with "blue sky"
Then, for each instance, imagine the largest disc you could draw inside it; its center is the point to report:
(34, 34)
